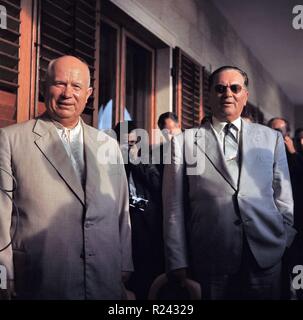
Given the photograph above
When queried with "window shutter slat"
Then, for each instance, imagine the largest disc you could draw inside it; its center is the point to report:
(9, 62)
(9, 47)
(68, 27)
(206, 91)
(188, 89)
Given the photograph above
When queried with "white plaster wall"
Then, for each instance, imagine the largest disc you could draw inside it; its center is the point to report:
(197, 27)
(164, 99)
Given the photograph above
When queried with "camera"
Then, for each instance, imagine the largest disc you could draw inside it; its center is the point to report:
(138, 202)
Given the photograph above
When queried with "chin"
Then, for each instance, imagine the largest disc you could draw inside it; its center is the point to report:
(64, 114)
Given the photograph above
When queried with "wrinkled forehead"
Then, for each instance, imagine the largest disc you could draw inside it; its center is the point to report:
(229, 76)
(73, 74)
(69, 70)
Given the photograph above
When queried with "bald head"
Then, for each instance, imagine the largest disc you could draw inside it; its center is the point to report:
(69, 60)
(67, 89)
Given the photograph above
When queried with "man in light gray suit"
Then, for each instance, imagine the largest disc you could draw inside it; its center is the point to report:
(229, 224)
(73, 239)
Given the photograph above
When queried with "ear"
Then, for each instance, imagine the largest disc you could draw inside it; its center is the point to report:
(246, 97)
(89, 92)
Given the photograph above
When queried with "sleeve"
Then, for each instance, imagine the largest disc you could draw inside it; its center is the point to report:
(173, 208)
(282, 188)
(6, 184)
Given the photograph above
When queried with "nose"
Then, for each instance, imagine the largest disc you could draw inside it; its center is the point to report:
(67, 91)
(228, 92)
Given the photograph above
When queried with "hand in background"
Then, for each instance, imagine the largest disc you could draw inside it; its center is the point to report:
(289, 145)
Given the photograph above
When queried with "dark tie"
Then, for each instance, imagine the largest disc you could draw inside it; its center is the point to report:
(230, 144)
(230, 148)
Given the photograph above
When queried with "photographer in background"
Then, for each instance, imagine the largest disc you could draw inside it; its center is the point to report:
(282, 125)
(145, 213)
(299, 140)
(295, 164)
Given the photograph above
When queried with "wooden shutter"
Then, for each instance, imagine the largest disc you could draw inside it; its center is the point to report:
(68, 27)
(188, 89)
(206, 93)
(9, 62)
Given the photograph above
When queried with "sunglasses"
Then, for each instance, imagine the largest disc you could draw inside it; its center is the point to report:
(235, 88)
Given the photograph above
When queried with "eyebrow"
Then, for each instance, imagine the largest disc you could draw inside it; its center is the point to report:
(59, 81)
(64, 81)
(77, 83)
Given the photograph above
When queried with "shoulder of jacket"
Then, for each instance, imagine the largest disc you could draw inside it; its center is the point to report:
(19, 127)
(100, 135)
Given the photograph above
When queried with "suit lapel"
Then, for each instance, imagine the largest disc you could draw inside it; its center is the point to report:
(49, 143)
(213, 151)
(92, 172)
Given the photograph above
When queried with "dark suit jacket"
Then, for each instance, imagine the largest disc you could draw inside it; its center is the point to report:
(147, 238)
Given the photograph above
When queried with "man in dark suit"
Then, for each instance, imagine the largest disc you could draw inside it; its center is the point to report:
(145, 212)
(295, 164)
(228, 208)
(168, 123)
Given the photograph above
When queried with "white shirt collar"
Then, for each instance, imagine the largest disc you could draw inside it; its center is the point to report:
(219, 126)
(74, 130)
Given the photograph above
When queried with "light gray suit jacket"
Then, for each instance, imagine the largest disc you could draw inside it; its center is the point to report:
(70, 243)
(206, 215)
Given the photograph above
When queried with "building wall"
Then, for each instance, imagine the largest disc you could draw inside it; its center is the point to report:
(299, 117)
(198, 27)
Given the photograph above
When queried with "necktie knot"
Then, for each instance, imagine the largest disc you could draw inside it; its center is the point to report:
(227, 127)
(231, 131)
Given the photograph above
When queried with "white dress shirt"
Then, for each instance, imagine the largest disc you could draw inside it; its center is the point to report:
(72, 140)
(218, 128)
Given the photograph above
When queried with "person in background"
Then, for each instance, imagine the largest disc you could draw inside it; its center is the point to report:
(168, 123)
(299, 140)
(145, 212)
(295, 164)
(247, 115)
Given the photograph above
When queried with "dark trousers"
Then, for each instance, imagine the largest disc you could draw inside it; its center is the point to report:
(250, 282)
